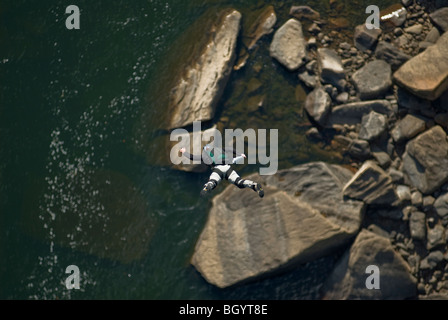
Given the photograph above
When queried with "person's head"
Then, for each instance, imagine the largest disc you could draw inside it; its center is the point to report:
(208, 148)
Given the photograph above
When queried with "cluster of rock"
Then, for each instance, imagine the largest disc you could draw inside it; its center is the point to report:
(383, 99)
(390, 118)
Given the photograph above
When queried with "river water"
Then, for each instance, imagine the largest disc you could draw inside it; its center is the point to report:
(82, 176)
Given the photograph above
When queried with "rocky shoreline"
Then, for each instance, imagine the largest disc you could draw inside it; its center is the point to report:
(398, 144)
(381, 99)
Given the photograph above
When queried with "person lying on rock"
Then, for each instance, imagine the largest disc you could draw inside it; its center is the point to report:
(220, 161)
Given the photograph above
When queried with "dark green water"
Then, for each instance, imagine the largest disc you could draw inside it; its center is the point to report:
(78, 183)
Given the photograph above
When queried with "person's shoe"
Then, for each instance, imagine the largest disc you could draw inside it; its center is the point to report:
(207, 188)
(259, 190)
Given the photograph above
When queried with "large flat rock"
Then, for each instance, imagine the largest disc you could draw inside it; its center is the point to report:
(348, 280)
(426, 75)
(425, 161)
(200, 86)
(302, 217)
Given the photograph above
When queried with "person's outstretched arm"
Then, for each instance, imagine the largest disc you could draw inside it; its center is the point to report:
(230, 151)
(190, 156)
(235, 160)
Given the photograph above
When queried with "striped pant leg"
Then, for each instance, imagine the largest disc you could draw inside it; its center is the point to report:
(234, 178)
(218, 173)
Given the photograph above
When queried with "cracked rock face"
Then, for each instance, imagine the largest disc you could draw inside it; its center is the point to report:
(302, 217)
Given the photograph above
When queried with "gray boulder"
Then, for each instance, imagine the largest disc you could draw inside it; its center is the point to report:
(440, 18)
(317, 104)
(349, 277)
(441, 205)
(425, 161)
(391, 54)
(414, 29)
(365, 39)
(352, 113)
(403, 193)
(373, 125)
(201, 84)
(331, 67)
(407, 128)
(288, 45)
(436, 237)
(301, 217)
(373, 79)
(426, 75)
(431, 260)
(307, 12)
(433, 35)
(371, 185)
(359, 148)
(308, 79)
(417, 225)
(417, 198)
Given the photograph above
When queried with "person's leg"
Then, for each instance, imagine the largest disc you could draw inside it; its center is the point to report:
(217, 175)
(234, 178)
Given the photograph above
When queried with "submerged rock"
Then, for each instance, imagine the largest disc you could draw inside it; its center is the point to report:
(98, 212)
(349, 278)
(200, 86)
(302, 217)
(289, 45)
(426, 75)
(262, 26)
(425, 161)
(309, 80)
